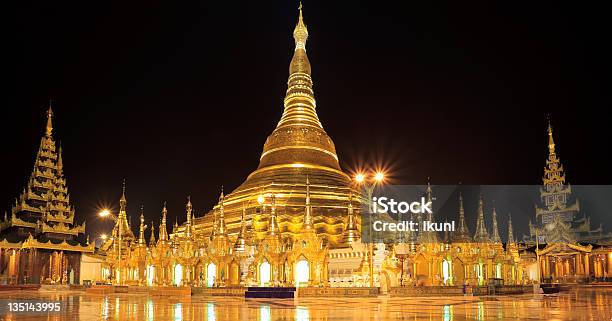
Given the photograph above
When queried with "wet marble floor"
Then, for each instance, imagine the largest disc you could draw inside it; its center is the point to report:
(579, 304)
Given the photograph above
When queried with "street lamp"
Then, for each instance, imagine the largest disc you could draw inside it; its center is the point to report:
(106, 213)
(369, 183)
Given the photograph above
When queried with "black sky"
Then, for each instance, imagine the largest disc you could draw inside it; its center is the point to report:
(178, 97)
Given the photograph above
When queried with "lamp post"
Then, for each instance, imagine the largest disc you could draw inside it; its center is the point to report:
(369, 183)
(107, 214)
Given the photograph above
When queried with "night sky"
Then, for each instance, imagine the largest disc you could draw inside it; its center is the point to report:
(178, 97)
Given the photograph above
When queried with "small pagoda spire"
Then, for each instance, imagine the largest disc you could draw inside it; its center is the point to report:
(152, 238)
(221, 227)
(163, 232)
(495, 233)
(462, 235)
(307, 225)
(141, 236)
(273, 224)
(188, 209)
(510, 230)
(351, 233)
(60, 162)
(49, 131)
(429, 236)
(122, 219)
(123, 200)
(240, 244)
(481, 235)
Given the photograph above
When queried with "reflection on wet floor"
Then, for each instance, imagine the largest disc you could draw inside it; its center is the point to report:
(579, 304)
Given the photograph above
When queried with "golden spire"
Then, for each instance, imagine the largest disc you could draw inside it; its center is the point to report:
(188, 208)
(463, 234)
(122, 201)
(141, 237)
(163, 231)
(299, 135)
(240, 244)
(495, 238)
(300, 33)
(49, 121)
(510, 230)
(481, 235)
(307, 225)
(273, 224)
(219, 227)
(551, 141)
(351, 233)
(152, 238)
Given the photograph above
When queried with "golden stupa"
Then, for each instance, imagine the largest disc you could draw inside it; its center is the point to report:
(299, 148)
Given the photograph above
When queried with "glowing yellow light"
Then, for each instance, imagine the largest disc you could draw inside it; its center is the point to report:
(103, 237)
(104, 213)
(297, 165)
(260, 199)
(379, 177)
(359, 178)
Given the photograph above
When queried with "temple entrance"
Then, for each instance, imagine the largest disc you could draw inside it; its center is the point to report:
(302, 272)
(211, 274)
(234, 276)
(150, 274)
(178, 274)
(264, 273)
(446, 271)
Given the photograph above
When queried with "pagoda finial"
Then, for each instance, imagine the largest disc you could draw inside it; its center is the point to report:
(551, 141)
(123, 199)
(300, 33)
(49, 120)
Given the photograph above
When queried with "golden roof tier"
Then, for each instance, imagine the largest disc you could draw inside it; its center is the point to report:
(297, 148)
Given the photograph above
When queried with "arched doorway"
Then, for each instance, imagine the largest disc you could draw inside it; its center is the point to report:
(302, 271)
(178, 274)
(211, 275)
(264, 273)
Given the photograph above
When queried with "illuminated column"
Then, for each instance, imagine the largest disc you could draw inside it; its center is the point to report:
(587, 271)
(609, 265)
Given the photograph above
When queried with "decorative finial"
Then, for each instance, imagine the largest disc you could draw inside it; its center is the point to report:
(49, 121)
(300, 33)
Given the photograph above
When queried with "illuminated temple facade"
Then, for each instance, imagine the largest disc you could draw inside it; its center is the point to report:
(569, 250)
(40, 242)
(294, 221)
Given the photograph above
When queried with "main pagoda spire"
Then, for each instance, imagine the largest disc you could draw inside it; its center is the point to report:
(299, 135)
